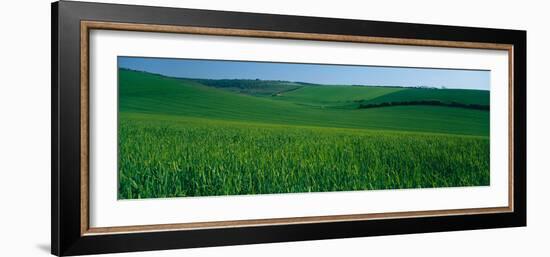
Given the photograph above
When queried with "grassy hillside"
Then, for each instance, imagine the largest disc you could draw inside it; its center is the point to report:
(480, 97)
(181, 138)
(334, 96)
(147, 93)
(249, 86)
(351, 97)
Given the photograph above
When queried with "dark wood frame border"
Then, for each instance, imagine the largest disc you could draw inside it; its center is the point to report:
(71, 23)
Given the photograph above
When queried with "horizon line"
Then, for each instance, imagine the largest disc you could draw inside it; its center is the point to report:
(303, 82)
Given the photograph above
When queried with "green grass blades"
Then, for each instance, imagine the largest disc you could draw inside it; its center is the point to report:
(192, 157)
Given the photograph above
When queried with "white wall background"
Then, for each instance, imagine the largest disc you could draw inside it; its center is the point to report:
(25, 127)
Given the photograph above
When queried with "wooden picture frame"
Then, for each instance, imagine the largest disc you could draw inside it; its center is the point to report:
(71, 26)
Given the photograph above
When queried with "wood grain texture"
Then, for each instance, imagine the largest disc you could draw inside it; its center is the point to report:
(84, 130)
(286, 221)
(86, 26)
(288, 35)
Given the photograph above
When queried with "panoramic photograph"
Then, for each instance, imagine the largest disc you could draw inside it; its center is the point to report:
(192, 127)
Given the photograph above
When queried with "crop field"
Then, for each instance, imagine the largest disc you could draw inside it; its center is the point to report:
(186, 137)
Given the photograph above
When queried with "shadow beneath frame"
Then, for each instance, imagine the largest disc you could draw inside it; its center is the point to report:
(44, 247)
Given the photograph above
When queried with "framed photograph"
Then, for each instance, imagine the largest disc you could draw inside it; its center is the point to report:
(177, 128)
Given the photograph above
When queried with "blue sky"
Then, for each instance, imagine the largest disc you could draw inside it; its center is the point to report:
(312, 73)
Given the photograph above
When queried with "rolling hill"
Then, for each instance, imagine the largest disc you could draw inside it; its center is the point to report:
(325, 106)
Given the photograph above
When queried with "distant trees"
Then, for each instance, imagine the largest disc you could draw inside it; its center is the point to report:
(236, 83)
(425, 102)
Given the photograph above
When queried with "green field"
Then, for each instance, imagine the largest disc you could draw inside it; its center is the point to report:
(190, 137)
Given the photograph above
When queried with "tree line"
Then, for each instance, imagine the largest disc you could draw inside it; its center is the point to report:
(426, 102)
